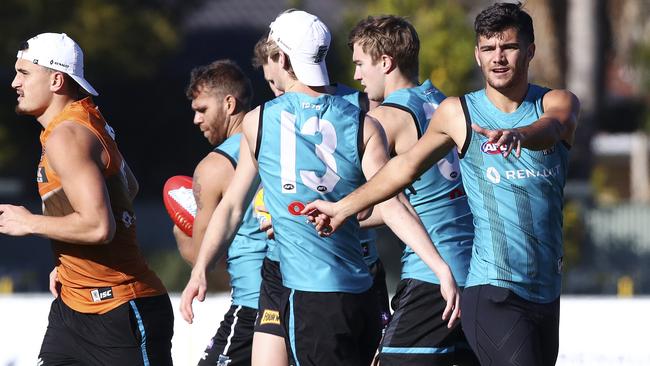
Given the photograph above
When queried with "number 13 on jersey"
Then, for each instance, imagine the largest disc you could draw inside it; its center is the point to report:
(323, 150)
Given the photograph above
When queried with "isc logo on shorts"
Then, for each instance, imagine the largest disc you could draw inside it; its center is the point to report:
(101, 294)
(270, 317)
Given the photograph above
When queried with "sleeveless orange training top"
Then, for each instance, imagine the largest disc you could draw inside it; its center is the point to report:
(97, 278)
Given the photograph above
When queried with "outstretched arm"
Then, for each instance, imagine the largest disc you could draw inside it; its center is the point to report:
(399, 172)
(223, 224)
(558, 123)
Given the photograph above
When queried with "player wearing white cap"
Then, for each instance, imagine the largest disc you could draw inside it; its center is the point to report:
(110, 308)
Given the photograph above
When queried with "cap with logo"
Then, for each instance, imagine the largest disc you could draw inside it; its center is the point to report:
(59, 52)
(305, 39)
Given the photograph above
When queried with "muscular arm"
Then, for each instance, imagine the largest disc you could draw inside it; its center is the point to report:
(226, 218)
(558, 123)
(212, 177)
(74, 153)
(399, 126)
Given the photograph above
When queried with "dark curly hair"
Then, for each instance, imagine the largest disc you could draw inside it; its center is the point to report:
(501, 16)
(221, 77)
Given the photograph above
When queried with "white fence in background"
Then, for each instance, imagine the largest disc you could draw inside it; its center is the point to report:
(594, 331)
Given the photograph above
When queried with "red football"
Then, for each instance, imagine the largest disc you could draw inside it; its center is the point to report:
(179, 202)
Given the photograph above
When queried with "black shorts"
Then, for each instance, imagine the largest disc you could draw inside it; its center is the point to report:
(505, 329)
(381, 291)
(138, 332)
(272, 295)
(417, 335)
(233, 342)
(332, 328)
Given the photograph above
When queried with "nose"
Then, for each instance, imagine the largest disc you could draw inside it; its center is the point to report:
(15, 83)
(198, 118)
(357, 73)
(499, 56)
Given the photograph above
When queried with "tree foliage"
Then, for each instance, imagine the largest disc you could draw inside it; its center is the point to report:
(119, 37)
(446, 39)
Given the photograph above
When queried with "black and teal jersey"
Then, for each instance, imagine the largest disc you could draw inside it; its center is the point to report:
(307, 149)
(516, 202)
(437, 195)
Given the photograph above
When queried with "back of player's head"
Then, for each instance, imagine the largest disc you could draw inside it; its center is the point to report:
(501, 16)
(389, 35)
(305, 39)
(221, 77)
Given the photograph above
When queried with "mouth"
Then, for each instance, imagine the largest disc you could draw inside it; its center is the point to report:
(500, 70)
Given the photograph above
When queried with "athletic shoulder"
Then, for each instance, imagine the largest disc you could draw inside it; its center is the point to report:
(71, 137)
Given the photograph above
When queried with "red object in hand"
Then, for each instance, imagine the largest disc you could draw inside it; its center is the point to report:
(179, 202)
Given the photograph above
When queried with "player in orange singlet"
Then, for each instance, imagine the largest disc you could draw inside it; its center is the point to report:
(112, 309)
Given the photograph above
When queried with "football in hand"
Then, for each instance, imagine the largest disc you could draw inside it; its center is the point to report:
(179, 202)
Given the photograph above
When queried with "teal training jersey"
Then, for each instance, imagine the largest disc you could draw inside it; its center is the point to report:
(307, 149)
(516, 202)
(368, 237)
(248, 248)
(437, 195)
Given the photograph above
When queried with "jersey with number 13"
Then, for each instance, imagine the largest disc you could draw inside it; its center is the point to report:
(308, 149)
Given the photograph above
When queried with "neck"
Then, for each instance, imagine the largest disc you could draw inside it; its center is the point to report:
(507, 99)
(396, 80)
(298, 87)
(234, 127)
(56, 106)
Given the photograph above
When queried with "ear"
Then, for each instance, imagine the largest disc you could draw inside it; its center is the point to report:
(386, 63)
(478, 60)
(282, 60)
(530, 52)
(230, 104)
(57, 81)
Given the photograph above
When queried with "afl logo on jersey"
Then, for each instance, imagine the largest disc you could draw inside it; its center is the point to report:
(321, 189)
(288, 187)
(492, 148)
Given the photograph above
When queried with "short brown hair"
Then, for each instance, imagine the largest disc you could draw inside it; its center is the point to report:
(266, 48)
(389, 35)
(261, 52)
(221, 77)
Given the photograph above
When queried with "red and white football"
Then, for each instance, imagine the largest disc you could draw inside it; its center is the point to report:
(179, 202)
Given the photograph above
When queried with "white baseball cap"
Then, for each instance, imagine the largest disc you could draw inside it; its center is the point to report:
(59, 52)
(305, 39)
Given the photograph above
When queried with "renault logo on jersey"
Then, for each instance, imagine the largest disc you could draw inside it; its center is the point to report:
(493, 175)
(492, 148)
